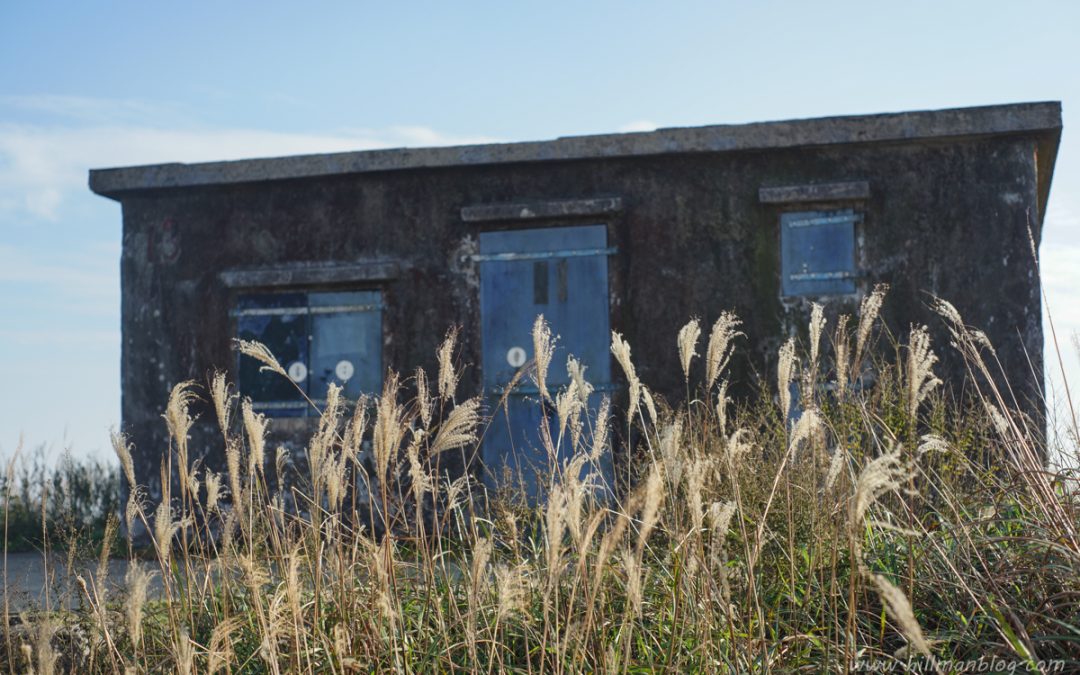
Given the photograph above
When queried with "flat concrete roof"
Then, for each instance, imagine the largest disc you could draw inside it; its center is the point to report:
(1040, 119)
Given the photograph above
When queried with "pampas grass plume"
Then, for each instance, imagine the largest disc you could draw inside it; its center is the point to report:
(687, 341)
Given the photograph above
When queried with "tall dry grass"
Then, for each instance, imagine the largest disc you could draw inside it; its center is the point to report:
(823, 526)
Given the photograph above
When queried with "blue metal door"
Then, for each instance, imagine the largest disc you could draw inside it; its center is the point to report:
(561, 273)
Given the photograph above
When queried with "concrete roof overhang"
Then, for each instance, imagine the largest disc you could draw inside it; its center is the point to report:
(1039, 120)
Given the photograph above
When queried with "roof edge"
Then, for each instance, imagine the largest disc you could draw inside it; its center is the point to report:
(1017, 118)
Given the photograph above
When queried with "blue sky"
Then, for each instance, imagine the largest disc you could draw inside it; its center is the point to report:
(87, 85)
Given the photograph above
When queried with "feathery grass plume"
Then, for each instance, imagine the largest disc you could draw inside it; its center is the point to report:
(178, 411)
(281, 460)
(353, 436)
(621, 350)
(220, 652)
(817, 327)
(554, 528)
(948, 311)
(335, 470)
(423, 397)
(631, 563)
(454, 492)
(459, 428)
(882, 474)
(232, 464)
(513, 587)
(568, 406)
(381, 559)
(868, 314)
(228, 528)
(576, 490)
(899, 608)
(389, 429)
(319, 454)
(650, 405)
(96, 603)
(576, 370)
(601, 430)
(842, 353)
(342, 642)
(256, 576)
(262, 354)
(276, 622)
(481, 554)
(810, 428)
(193, 483)
(998, 419)
(688, 337)
(330, 418)
(418, 476)
(27, 652)
(721, 346)
(920, 365)
(448, 376)
(695, 491)
(722, 401)
(292, 582)
(932, 443)
(654, 497)
(980, 338)
(836, 463)
(178, 419)
(123, 452)
(107, 541)
(164, 531)
(543, 351)
(134, 508)
(735, 448)
(720, 515)
(185, 654)
(46, 656)
(321, 446)
(213, 490)
(255, 425)
(671, 451)
(219, 394)
(613, 537)
(137, 580)
(785, 374)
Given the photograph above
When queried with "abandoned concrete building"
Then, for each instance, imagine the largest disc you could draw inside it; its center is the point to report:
(350, 264)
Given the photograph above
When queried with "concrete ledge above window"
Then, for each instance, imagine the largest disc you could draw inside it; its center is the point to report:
(560, 208)
(311, 274)
(820, 192)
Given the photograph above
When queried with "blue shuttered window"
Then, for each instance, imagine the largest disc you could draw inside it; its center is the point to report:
(320, 338)
(817, 250)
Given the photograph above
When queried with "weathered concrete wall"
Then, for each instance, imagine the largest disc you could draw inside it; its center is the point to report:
(945, 218)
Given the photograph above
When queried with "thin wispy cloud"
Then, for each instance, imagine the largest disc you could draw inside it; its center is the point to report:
(88, 110)
(83, 282)
(637, 126)
(44, 165)
(59, 247)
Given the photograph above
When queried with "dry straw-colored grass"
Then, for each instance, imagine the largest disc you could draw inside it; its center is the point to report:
(854, 523)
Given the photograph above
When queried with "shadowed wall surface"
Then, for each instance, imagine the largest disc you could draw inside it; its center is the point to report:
(946, 207)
